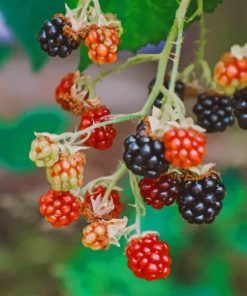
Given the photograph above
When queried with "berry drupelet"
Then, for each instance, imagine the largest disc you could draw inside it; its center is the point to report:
(200, 200)
(54, 41)
(214, 112)
(179, 90)
(145, 156)
(240, 107)
(159, 192)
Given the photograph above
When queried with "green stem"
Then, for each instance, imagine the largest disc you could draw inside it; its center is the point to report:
(200, 54)
(130, 62)
(120, 172)
(97, 7)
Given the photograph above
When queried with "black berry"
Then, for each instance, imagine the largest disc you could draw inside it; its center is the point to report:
(240, 107)
(200, 201)
(159, 192)
(214, 112)
(53, 40)
(145, 156)
(179, 90)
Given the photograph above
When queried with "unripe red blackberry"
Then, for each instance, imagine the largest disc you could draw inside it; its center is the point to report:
(145, 156)
(148, 257)
(240, 107)
(59, 208)
(159, 192)
(214, 112)
(200, 199)
(53, 39)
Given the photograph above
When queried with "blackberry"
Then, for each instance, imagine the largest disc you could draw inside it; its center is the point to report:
(159, 192)
(53, 40)
(240, 107)
(214, 112)
(200, 201)
(179, 90)
(145, 156)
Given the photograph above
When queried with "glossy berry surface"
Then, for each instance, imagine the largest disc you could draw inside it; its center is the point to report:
(179, 90)
(148, 257)
(214, 112)
(67, 173)
(93, 209)
(159, 192)
(95, 236)
(240, 107)
(200, 201)
(100, 138)
(102, 43)
(59, 208)
(53, 40)
(230, 73)
(44, 151)
(185, 148)
(145, 156)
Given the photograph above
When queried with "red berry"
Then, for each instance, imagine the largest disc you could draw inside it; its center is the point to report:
(230, 73)
(148, 257)
(100, 138)
(102, 44)
(59, 208)
(70, 96)
(159, 192)
(185, 148)
(93, 209)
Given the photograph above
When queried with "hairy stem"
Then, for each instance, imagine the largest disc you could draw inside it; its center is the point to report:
(130, 62)
(120, 172)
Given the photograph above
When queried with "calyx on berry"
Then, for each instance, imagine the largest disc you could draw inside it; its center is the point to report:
(94, 207)
(73, 93)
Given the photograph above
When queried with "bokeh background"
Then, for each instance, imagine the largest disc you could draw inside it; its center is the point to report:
(36, 260)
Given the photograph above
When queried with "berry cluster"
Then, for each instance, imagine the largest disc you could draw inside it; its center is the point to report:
(185, 148)
(100, 138)
(230, 72)
(163, 157)
(200, 199)
(214, 112)
(54, 40)
(148, 257)
(144, 156)
(159, 192)
(64, 33)
(102, 43)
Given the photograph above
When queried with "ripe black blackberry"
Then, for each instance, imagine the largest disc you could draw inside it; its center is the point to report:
(179, 90)
(53, 40)
(214, 112)
(145, 156)
(200, 201)
(240, 107)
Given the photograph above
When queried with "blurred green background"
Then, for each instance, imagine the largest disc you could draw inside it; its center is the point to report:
(36, 260)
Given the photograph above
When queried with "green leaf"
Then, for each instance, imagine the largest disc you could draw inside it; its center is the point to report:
(16, 135)
(25, 18)
(84, 59)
